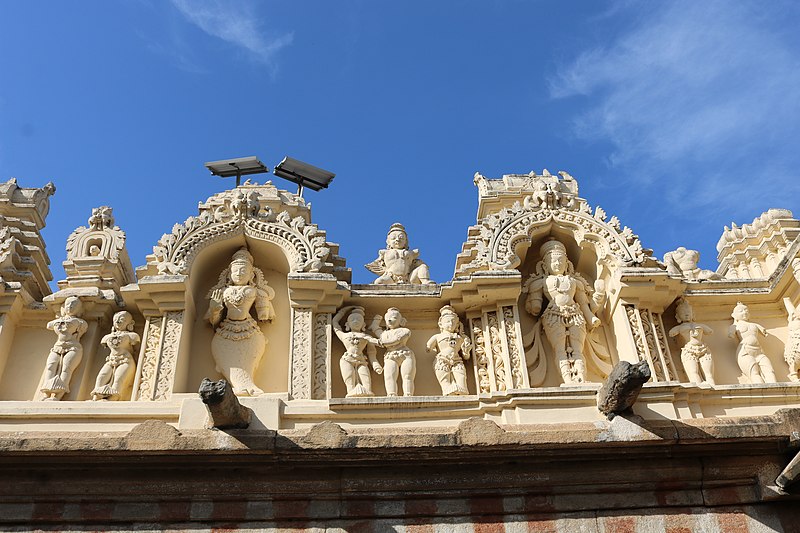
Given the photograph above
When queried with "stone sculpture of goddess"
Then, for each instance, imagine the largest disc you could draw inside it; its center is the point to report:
(396, 263)
(694, 354)
(399, 358)
(67, 352)
(354, 364)
(569, 315)
(449, 363)
(238, 344)
(792, 352)
(754, 364)
(117, 372)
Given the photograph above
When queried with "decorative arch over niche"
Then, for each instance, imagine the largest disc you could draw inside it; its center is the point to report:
(540, 203)
(260, 212)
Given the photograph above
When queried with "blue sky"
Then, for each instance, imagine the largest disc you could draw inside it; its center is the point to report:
(678, 117)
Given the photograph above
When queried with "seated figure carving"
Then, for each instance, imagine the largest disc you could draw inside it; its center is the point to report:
(67, 352)
(238, 343)
(682, 262)
(118, 370)
(398, 264)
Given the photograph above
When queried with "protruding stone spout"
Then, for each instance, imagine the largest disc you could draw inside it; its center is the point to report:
(622, 388)
(224, 409)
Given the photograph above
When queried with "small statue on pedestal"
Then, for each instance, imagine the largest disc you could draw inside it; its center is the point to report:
(353, 364)
(449, 364)
(399, 358)
(67, 352)
(238, 344)
(694, 354)
(118, 370)
(397, 264)
(754, 364)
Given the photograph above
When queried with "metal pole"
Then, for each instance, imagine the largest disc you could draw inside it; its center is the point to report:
(300, 189)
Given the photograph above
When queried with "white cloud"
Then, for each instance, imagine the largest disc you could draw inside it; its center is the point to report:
(235, 23)
(696, 92)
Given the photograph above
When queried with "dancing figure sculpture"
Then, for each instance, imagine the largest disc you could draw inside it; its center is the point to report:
(399, 358)
(354, 364)
(117, 372)
(694, 354)
(753, 362)
(67, 352)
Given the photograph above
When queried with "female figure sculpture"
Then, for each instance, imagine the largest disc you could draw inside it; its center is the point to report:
(398, 264)
(398, 357)
(238, 344)
(694, 354)
(67, 352)
(353, 363)
(118, 370)
(754, 364)
(449, 364)
(568, 316)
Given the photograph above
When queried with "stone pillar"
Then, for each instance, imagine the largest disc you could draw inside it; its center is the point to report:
(499, 363)
(651, 344)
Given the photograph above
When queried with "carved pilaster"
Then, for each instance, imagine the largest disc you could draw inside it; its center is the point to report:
(322, 347)
(497, 360)
(651, 343)
(159, 356)
(519, 376)
(301, 353)
(481, 358)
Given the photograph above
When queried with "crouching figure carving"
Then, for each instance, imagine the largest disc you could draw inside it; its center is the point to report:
(238, 344)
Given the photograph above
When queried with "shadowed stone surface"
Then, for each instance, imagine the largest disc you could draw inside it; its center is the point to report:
(622, 388)
(224, 409)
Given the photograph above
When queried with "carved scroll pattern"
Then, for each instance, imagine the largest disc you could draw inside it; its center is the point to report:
(169, 355)
(496, 343)
(663, 347)
(638, 335)
(481, 359)
(152, 351)
(319, 390)
(513, 347)
(301, 353)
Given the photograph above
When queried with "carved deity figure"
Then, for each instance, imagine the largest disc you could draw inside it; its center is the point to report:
(399, 358)
(449, 363)
(792, 352)
(396, 263)
(694, 354)
(570, 313)
(238, 344)
(67, 352)
(354, 364)
(683, 262)
(754, 364)
(117, 372)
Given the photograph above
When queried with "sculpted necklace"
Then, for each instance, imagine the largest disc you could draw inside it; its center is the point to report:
(236, 294)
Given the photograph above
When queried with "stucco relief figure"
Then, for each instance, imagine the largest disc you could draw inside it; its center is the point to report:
(452, 348)
(117, 372)
(66, 353)
(354, 364)
(792, 352)
(238, 344)
(755, 366)
(399, 358)
(570, 312)
(396, 263)
(683, 262)
(694, 354)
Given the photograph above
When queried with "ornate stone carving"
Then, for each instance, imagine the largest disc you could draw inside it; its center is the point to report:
(301, 353)
(66, 353)
(173, 325)
(322, 342)
(258, 211)
(96, 255)
(354, 364)
(754, 250)
(481, 360)
(509, 324)
(622, 388)
(792, 351)
(224, 409)
(570, 313)
(397, 263)
(796, 268)
(694, 354)
(117, 372)
(399, 358)
(449, 363)
(496, 344)
(149, 363)
(536, 202)
(753, 362)
(238, 344)
(683, 263)
(651, 343)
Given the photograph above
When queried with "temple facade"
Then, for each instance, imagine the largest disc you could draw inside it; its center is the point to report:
(563, 379)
